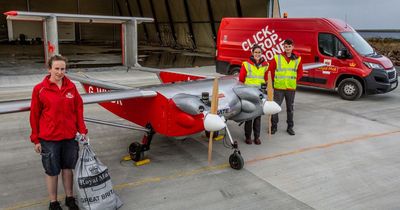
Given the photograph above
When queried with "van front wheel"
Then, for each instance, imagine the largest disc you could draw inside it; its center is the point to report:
(235, 70)
(350, 89)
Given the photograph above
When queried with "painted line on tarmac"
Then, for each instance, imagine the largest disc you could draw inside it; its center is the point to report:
(171, 177)
(323, 146)
(44, 201)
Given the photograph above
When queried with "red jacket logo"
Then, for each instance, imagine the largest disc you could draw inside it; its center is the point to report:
(69, 95)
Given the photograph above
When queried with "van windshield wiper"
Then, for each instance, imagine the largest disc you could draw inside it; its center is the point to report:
(370, 54)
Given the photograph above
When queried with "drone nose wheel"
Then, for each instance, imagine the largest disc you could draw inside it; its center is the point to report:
(236, 161)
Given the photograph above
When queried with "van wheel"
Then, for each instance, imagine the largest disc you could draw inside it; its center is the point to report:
(234, 70)
(350, 89)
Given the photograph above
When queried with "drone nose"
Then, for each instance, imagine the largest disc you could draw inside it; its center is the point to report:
(213, 122)
(271, 107)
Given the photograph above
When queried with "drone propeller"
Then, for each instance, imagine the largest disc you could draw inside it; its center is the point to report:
(214, 107)
(270, 93)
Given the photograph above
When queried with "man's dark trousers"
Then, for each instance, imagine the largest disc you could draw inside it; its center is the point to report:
(288, 95)
(256, 122)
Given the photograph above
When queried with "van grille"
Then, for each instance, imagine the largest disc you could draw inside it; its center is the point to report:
(392, 74)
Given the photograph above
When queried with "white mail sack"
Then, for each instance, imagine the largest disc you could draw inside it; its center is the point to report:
(92, 183)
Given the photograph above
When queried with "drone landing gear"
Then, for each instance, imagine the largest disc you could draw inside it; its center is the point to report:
(235, 160)
(136, 150)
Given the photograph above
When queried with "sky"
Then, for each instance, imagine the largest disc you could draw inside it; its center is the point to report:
(361, 14)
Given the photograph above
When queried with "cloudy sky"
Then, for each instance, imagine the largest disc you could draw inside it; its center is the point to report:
(361, 14)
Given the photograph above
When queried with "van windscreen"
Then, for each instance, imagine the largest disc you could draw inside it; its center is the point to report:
(358, 43)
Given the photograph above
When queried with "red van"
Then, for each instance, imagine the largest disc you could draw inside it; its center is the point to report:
(353, 67)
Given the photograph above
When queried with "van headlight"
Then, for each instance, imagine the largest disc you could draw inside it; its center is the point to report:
(373, 65)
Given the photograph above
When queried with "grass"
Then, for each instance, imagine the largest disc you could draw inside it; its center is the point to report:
(387, 47)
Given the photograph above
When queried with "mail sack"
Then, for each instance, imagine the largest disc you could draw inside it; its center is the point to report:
(92, 183)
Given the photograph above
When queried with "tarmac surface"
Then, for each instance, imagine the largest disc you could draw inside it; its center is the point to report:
(345, 155)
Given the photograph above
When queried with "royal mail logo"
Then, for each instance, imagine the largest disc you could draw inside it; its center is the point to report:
(352, 64)
(69, 95)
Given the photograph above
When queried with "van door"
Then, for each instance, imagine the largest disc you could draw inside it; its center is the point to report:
(328, 47)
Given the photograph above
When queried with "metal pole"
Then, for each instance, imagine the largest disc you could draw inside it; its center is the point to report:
(116, 124)
(130, 44)
(51, 37)
(275, 10)
(10, 30)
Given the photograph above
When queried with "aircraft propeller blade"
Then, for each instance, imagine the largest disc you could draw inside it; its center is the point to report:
(270, 95)
(270, 89)
(214, 107)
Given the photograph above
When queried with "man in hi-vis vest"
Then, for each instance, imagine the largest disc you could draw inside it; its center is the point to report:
(286, 69)
(253, 73)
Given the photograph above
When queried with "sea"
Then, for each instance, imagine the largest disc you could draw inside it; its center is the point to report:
(392, 34)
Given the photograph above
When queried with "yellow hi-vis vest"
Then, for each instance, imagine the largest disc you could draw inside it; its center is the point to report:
(255, 76)
(285, 73)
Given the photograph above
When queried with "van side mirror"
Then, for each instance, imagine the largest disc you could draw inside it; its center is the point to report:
(343, 53)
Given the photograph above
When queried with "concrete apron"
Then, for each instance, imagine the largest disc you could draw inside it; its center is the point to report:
(343, 156)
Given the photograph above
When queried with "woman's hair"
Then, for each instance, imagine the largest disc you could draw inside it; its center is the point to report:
(256, 46)
(56, 58)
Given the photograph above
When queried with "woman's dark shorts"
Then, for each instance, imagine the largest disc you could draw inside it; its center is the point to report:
(57, 155)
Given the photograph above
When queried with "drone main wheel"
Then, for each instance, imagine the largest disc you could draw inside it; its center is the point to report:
(236, 161)
(135, 151)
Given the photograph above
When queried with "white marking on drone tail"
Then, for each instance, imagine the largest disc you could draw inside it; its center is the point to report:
(103, 90)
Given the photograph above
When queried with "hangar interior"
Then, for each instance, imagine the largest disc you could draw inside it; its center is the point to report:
(183, 33)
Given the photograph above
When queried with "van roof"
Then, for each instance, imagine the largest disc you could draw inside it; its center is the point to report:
(304, 24)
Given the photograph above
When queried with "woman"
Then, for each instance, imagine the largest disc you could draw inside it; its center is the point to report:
(56, 116)
(253, 73)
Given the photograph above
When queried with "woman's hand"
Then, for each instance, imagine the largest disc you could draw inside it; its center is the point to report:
(81, 138)
(38, 148)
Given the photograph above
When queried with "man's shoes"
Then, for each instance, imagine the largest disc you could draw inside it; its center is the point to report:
(70, 202)
(55, 205)
(291, 131)
(248, 141)
(257, 141)
(273, 130)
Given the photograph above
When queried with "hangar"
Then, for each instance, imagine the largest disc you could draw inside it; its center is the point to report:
(189, 25)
